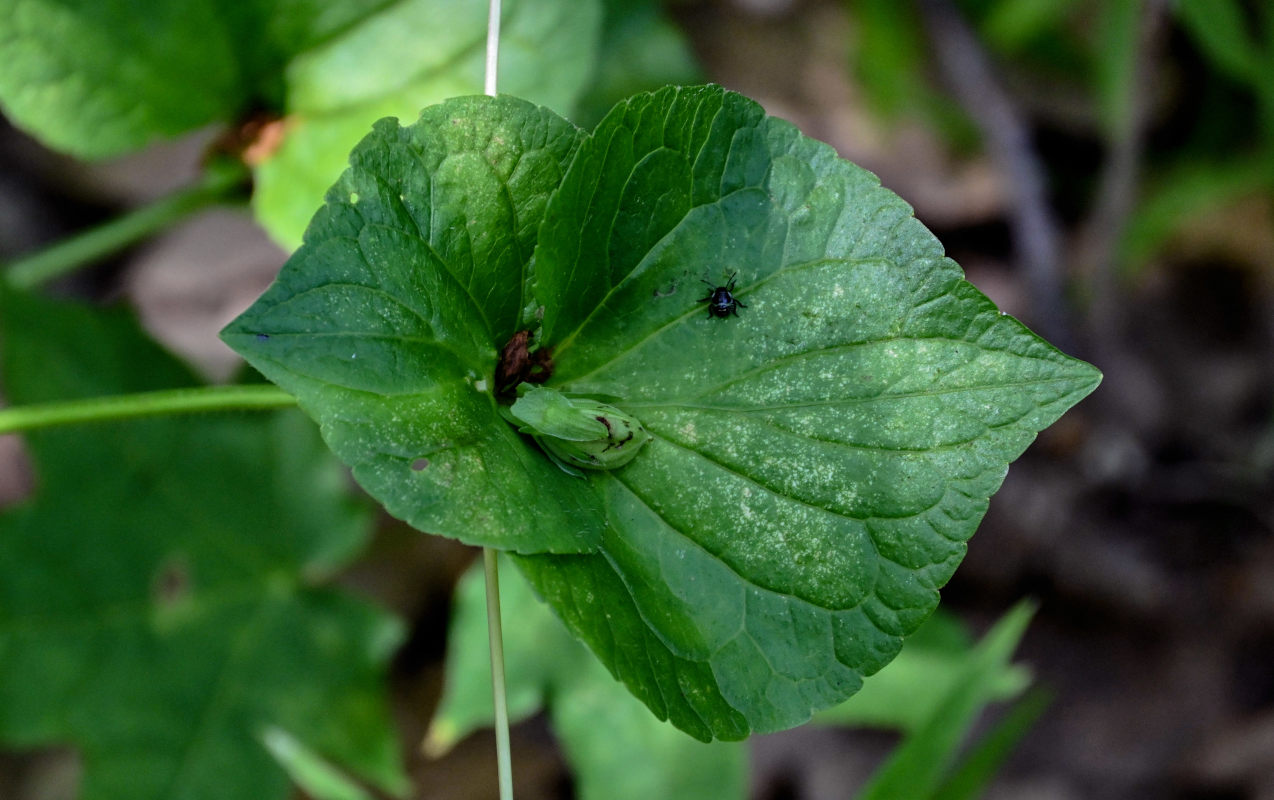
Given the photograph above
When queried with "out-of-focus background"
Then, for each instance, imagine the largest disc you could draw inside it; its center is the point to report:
(1104, 171)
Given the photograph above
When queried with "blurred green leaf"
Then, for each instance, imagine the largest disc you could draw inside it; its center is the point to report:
(976, 770)
(413, 54)
(1115, 62)
(1222, 33)
(99, 78)
(1181, 194)
(890, 54)
(916, 769)
(1010, 25)
(641, 50)
(160, 606)
(538, 652)
(1239, 44)
(317, 777)
(907, 692)
(616, 749)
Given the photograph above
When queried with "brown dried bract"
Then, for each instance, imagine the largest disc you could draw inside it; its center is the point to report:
(518, 364)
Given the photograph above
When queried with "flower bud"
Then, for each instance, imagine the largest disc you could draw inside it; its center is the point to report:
(578, 432)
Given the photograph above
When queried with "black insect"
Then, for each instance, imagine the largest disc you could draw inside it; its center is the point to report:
(721, 301)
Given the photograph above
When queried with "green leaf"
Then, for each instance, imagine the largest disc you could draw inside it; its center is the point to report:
(976, 770)
(308, 770)
(535, 647)
(889, 55)
(160, 606)
(1182, 193)
(818, 461)
(641, 49)
(1115, 63)
(1011, 25)
(100, 78)
(917, 767)
(412, 54)
(906, 693)
(386, 323)
(1224, 36)
(616, 749)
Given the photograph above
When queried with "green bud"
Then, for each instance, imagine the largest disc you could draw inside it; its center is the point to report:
(577, 432)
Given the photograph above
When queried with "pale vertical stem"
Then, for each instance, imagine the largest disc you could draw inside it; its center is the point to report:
(493, 46)
(503, 752)
(495, 634)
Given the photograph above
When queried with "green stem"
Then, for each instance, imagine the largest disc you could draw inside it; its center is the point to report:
(219, 182)
(144, 404)
(495, 634)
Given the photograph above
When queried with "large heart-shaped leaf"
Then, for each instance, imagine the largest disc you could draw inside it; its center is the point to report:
(161, 605)
(819, 458)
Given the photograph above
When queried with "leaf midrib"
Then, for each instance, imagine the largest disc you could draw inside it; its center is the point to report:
(831, 402)
(217, 700)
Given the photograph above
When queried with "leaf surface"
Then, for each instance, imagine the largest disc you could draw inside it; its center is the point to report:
(386, 323)
(160, 605)
(820, 459)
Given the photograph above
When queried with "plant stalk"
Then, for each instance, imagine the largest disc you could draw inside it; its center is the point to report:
(144, 404)
(495, 635)
(495, 630)
(220, 182)
(493, 48)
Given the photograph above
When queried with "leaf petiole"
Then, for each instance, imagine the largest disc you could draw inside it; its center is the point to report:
(495, 636)
(221, 181)
(143, 404)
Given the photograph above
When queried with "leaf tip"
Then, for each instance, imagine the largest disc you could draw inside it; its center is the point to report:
(441, 737)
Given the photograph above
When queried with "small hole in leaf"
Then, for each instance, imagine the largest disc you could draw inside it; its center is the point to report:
(419, 464)
(353, 197)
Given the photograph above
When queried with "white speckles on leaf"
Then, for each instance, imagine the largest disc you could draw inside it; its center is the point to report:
(833, 444)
